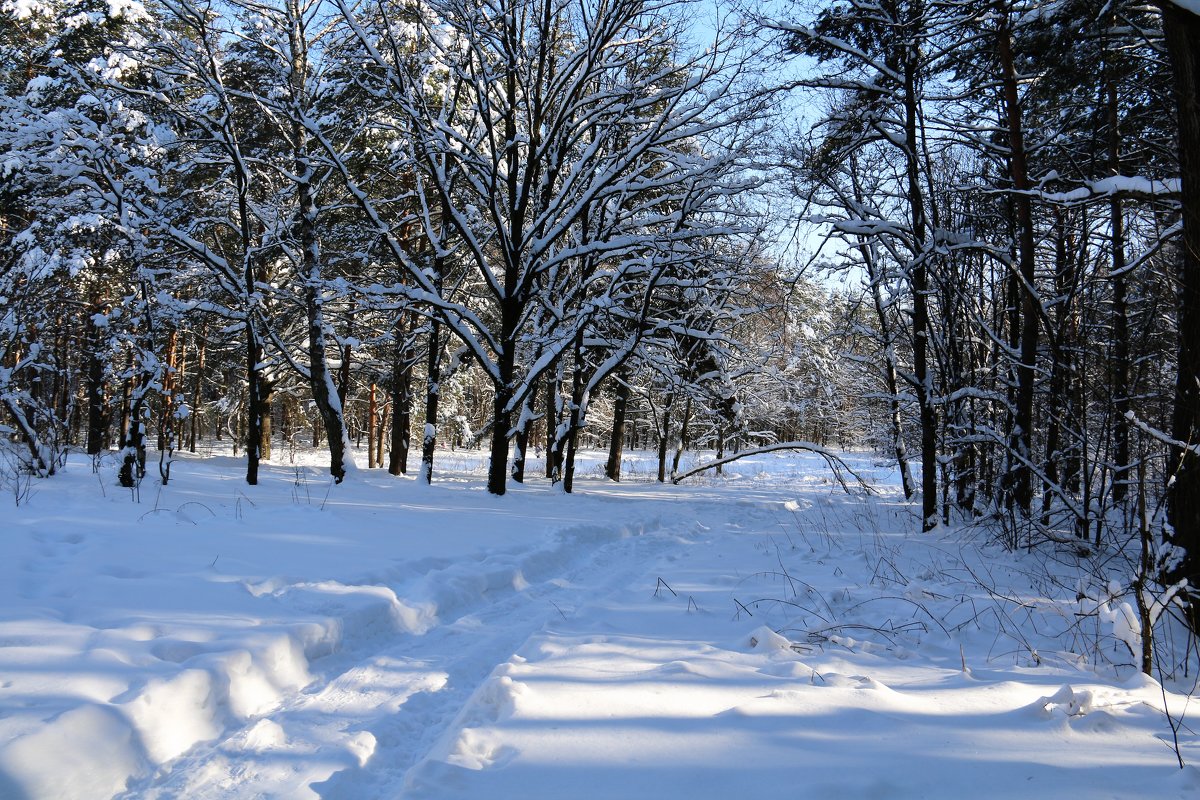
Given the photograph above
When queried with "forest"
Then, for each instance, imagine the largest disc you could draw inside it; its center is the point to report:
(960, 235)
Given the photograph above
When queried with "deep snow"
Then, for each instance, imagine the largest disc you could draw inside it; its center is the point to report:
(759, 634)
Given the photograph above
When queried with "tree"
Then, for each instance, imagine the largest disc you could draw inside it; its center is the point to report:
(885, 52)
(1181, 26)
(547, 158)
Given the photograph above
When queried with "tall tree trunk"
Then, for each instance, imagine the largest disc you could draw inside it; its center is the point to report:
(553, 456)
(401, 402)
(165, 417)
(575, 418)
(616, 444)
(683, 436)
(1021, 436)
(522, 437)
(892, 384)
(267, 419)
(382, 430)
(890, 369)
(664, 436)
(126, 398)
(433, 379)
(501, 412)
(343, 386)
(97, 429)
(1059, 366)
(919, 278)
(255, 395)
(197, 393)
(1120, 305)
(372, 421)
(255, 390)
(1182, 30)
(133, 460)
(327, 398)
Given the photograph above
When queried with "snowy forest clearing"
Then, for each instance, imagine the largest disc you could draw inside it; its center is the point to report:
(383, 638)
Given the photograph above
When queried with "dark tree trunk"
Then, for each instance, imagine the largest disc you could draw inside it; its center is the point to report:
(522, 437)
(892, 384)
(1182, 31)
(97, 429)
(575, 412)
(1021, 436)
(133, 461)
(664, 437)
(1120, 307)
(255, 390)
(372, 421)
(920, 290)
(401, 402)
(501, 411)
(197, 395)
(890, 369)
(1060, 367)
(616, 445)
(683, 437)
(165, 418)
(343, 386)
(382, 431)
(498, 454)
(330, 403)
(553, 456)
(267, 392)
(433, 372)
(126, 400)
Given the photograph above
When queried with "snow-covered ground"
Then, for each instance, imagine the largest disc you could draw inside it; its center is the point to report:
(761, 634)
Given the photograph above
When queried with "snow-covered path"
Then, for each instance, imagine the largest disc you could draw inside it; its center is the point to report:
(380, 703)
(382, 639)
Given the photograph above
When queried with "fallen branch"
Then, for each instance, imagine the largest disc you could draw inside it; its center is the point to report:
(835, 462)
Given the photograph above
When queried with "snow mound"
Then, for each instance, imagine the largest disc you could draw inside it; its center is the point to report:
(1066, 702)
(89, 751)
(764, 640)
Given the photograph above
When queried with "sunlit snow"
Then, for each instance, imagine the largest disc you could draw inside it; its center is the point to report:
(758, 634)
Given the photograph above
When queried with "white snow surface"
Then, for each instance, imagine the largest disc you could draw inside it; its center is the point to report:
(758, 634)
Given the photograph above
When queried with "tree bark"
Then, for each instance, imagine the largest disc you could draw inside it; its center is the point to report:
(433, 378)
(920, 282)
(616, 445)
(1060, 364)
(683, 437)
(97, 430)
(501, 411)
(1120, 305)
(197, 395)
(372, 421)
(165, 418)
(553, 457)
(1182, 30)
(522, 437)
(1021, 436)
(664, 436)
(890, 369)
(266, 420)
(401, 402)
(326, 397)
(575, 414)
